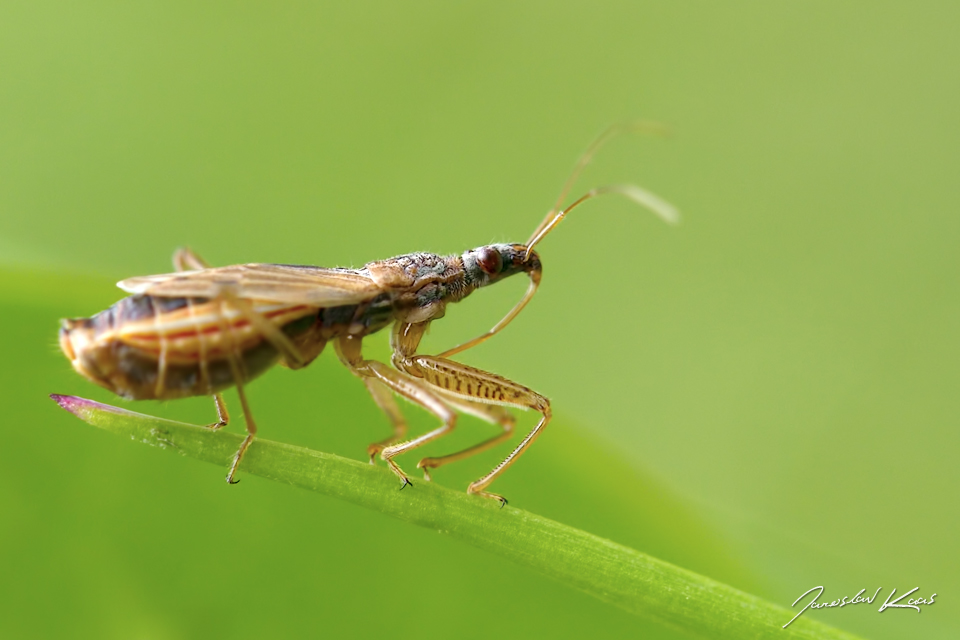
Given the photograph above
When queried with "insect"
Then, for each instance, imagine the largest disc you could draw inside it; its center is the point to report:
(201, 330)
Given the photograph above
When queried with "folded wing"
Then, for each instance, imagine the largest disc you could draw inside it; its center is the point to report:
(314, 286)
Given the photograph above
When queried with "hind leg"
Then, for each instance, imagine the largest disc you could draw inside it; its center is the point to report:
(239, 374)
(185, 260)
(251, 434)
(223, 418)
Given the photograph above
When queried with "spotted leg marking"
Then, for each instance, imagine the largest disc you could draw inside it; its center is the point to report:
(452, 379)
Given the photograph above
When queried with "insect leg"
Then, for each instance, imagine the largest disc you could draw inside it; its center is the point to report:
(384, 398)
(348, 349)
(251, 434)
(489, 412)
(289, 351)
(453, 379)
(183, 260)
(160, 387)
(239, 377)
(223, 418)
(186, 260)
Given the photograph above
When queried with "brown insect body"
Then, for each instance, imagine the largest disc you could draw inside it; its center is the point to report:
(202, 330)
(148, 347)
(123, 350)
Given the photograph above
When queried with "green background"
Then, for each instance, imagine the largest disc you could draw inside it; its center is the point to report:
(766, 394)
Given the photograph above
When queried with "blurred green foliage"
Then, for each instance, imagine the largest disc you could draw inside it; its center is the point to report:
(766, 394)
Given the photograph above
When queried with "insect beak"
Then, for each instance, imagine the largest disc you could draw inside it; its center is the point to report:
(527, 260)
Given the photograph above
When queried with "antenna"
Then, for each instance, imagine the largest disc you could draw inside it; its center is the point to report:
(641, 196)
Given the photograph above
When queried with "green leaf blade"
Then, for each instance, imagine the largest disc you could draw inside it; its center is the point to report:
(629, 579)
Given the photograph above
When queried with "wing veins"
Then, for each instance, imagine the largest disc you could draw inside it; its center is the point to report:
(313, 286)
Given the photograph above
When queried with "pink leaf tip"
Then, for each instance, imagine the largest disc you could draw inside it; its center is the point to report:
(81, 406)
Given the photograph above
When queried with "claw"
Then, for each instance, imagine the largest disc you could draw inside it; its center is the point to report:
(406, 481)
(492, 496)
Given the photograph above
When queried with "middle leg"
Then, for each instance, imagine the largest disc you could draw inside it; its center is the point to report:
(384, 398)
(348, 349)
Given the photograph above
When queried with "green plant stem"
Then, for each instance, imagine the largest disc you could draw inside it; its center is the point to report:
(629, 579)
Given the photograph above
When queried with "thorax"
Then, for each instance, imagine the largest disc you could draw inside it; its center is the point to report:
(420, 285)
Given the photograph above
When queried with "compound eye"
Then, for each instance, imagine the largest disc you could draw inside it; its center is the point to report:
(489, 260)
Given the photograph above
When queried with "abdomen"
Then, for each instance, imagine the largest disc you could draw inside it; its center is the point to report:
(145, 347)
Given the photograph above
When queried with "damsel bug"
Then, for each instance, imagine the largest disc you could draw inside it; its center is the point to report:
(201, 330)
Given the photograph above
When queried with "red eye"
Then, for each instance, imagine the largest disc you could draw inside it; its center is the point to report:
(489, 260)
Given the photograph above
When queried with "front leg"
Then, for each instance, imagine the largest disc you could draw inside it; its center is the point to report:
(488, 412)
(458, 381)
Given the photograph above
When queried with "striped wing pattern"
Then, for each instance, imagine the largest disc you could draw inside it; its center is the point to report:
(282, 283)
(201, 331)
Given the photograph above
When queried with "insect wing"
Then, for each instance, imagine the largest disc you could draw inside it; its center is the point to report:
(314, 286)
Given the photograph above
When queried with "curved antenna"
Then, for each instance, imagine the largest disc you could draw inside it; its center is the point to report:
(644, 198)
(532, 289)
(637, 126)
(641, 196)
